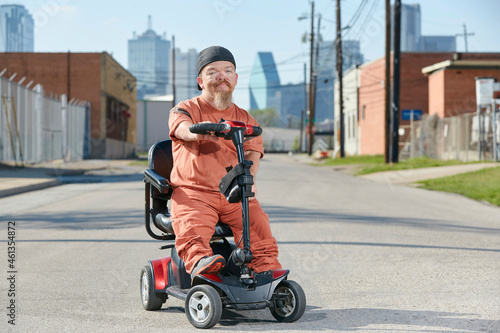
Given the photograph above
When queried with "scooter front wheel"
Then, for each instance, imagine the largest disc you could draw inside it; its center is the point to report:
(150, 300)
(203, 306)
(289, 302)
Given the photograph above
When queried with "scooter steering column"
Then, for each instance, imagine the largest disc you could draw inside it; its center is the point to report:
(243, 256)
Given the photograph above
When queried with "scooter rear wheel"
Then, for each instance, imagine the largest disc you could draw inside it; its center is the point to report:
(203, 306)
(289, 302)
(150, 300)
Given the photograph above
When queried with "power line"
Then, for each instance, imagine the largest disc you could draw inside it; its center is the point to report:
(356, 16)
(367, 19)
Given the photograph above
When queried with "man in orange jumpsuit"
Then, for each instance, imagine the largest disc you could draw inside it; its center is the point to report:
(200, 161)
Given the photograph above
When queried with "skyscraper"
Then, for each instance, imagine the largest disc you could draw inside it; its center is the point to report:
(411, 31)
(293, 101)
(438, 43)
(324, 82)
(16, 29)
(327, 58)
(351, 54)
(265, 83)
(411, 34)
(148, 61)
(186, 86)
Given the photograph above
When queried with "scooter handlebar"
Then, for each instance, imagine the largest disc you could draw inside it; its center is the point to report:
(222, 129)
(256, 131)
(204, 128)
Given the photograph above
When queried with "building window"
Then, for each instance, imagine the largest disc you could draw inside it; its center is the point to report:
(363, 108)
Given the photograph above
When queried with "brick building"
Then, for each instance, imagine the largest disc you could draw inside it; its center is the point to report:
(415, 92)
(452, 84)
(93, 77)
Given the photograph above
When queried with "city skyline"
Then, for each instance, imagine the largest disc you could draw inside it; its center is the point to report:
(248, 27)
(148, 61)
(264, 83)
(16, 29)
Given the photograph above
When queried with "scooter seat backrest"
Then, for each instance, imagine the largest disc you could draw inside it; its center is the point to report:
(160, 158)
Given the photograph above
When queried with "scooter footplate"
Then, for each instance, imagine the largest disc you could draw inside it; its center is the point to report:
(244, 297)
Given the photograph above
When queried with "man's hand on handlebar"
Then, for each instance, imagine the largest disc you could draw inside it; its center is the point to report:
(207, 130)
(182, 132)
(210, 136)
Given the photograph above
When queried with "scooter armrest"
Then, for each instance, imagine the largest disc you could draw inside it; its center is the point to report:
(158, 181)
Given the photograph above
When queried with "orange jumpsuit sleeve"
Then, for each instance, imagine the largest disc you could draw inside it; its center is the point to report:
(178, 115)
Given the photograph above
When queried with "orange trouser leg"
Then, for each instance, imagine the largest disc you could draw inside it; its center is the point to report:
(262, 243)
(194, 218)
(195, 214)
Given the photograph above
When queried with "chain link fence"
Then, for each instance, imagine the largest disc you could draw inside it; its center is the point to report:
(468, 137)
(36, 128)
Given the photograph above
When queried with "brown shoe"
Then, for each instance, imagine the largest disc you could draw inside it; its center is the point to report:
(207, 265)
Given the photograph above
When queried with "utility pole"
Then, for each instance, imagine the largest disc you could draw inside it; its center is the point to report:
(173, 70)
(302, 113)
(387, 82)
(339, 77)
(465, 34)
(314, 80)
(395, 88)
(311, 87)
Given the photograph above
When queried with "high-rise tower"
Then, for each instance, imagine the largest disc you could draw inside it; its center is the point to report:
(148, 61)
(411, 31)
(265, 83)
(186, 86)
(16, 29)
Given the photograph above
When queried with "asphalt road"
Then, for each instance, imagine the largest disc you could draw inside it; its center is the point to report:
(371, 257)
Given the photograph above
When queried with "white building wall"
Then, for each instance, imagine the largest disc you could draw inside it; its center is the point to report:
(152, 122)
(350, 96)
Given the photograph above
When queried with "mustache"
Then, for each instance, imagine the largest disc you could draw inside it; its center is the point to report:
(224, 81)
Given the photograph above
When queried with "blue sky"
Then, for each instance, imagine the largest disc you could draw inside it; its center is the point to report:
(247, 27)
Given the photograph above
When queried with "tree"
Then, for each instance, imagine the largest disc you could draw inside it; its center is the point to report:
(266, 117)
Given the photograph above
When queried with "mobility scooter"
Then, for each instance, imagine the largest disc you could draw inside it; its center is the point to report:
(236, 286)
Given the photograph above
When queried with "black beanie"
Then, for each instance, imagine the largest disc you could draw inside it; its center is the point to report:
(213, 54)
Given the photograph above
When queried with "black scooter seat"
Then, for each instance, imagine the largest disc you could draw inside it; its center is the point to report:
(164, 223)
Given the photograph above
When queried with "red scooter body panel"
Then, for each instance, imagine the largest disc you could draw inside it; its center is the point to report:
(160, 271)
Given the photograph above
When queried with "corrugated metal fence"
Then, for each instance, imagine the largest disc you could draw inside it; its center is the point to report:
(36, 128)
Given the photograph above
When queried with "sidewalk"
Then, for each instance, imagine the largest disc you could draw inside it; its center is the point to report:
(405, 177)
(410, 176)
(16, 180)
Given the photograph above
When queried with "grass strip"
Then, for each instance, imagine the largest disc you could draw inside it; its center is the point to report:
(375, 163)
(482, 185)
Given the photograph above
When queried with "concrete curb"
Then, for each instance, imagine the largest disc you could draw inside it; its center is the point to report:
(28, 188)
